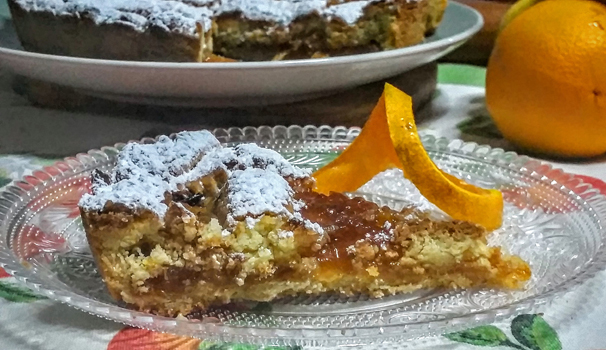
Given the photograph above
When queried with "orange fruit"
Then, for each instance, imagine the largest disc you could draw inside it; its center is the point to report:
(546, 79)
(390, 139)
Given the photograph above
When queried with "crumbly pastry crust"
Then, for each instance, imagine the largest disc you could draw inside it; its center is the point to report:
(195, 30)
(185, 224)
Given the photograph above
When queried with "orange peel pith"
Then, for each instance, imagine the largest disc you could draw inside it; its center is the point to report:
(389, 139)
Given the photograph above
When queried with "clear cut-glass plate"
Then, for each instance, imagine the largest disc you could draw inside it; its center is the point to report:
(551, 219)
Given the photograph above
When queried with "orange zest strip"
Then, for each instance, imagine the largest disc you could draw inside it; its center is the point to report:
(390, 139)
(369, 154)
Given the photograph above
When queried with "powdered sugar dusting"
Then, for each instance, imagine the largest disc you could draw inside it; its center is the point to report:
(313, 226)
(381, 238)
(250, 222)
(286, 11)
(139, 190)
(252, 155)
(145, 173)
(173, 16)
(256, 192)
(285, 234)
(182, 16)
(186, 212)
(350, 12)
(212, 161)
(166, 157)
(282, 12)
(241, 157)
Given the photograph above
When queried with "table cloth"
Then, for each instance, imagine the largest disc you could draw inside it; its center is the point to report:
(576, 320)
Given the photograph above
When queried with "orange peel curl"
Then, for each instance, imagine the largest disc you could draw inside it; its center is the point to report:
(389, 139)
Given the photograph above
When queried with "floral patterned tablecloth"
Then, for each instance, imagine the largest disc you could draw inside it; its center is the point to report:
(575, 320)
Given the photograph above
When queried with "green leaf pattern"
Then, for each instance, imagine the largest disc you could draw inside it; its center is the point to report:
(531, 331)
(4, 178)
(4, 181)
(482, 336)
(12, 292)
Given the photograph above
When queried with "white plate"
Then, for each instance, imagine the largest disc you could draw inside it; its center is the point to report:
(235, 84)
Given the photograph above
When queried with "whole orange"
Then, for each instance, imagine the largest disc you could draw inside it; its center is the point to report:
(546, 79)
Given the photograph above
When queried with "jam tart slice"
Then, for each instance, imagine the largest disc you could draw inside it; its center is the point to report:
(185, 223)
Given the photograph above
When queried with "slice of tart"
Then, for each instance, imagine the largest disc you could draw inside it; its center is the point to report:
(184, 223)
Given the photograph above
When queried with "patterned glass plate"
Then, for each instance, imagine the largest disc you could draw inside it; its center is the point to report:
(552, 220)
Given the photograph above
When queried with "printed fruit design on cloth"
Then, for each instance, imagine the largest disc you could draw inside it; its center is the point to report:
(546, 78)
(389, 139)
(13, 292)
(142, 339)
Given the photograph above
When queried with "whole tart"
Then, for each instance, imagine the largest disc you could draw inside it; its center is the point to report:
(184, 224)
(202, 30)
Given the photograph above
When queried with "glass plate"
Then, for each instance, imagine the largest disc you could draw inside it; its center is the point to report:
(552, 220)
